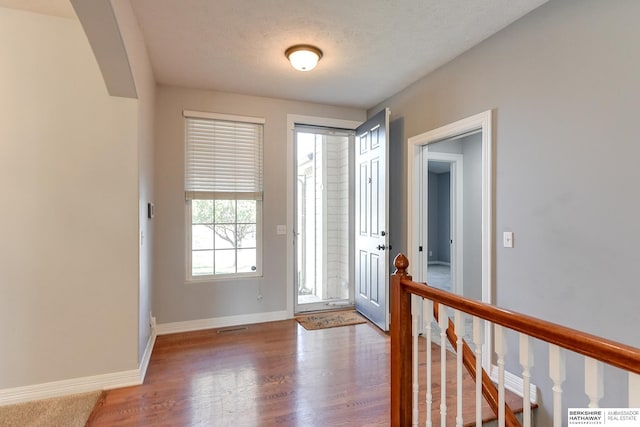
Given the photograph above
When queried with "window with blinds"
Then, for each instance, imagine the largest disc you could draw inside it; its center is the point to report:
(223, 192)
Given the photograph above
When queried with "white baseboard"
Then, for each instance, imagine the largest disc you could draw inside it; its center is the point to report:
(514, 383)
(220, 322)
(146, 356)
(77, 385)
(109, 381)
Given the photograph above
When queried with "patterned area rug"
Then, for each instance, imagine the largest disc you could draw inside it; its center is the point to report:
(330, 319)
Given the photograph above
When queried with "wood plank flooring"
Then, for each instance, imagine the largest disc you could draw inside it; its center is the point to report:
(270, 374)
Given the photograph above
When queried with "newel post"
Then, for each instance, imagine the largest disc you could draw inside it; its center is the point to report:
(401, 354)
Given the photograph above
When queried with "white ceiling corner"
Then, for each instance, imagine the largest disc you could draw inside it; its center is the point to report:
(61, 8)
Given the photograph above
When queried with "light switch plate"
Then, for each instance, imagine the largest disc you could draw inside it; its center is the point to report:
(507, 239)
(281, 229)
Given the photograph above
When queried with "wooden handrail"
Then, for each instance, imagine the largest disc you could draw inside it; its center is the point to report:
(610, 352)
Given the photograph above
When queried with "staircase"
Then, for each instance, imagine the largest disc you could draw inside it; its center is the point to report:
(488, 416)
(424, 392)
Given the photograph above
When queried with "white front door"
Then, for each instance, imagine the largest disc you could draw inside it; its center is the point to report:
(371, 219)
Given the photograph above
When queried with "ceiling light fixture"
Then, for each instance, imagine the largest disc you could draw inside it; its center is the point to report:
(303, 57)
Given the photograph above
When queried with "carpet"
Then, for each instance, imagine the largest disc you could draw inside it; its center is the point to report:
(67, 411)
(330, 319)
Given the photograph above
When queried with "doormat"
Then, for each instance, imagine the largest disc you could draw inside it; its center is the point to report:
(330, 319)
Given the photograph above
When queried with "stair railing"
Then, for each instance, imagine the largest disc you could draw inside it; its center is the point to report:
(404, 387)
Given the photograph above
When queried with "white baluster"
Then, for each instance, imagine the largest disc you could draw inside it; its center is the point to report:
(501, 350)
(459, 328)
(593, 381)
(526, 361)
(634, 390)
(443, 322)
(427, 313)
(558, 375)
(478, 340)
(416, 379)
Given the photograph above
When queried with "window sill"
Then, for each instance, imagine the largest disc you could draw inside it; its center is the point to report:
(221, 278)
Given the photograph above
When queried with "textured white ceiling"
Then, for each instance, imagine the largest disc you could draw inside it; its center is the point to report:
(372, 48)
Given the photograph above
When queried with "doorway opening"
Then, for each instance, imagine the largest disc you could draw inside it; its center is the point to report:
(443, 176)
(323, 218)
(471, 264)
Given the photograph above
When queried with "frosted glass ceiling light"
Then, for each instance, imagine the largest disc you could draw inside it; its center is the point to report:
(303, 57)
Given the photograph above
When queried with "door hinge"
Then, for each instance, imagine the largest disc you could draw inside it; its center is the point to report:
(419, 248)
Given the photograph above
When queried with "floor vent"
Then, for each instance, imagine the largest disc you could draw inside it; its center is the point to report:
(233, 329)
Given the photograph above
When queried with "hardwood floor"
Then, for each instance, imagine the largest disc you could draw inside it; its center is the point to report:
(270, 374)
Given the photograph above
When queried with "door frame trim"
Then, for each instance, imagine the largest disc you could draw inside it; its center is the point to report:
(292, 120)
(484, 122)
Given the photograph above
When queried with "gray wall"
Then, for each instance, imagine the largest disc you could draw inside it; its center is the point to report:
(563, 84)
(472, 216)
(433, 230)
(145, 87)
(444, 217)
(397, 196)
(175, 301)
(439, 226)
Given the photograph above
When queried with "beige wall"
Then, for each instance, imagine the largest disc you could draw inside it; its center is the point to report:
(564, 85)
(145, 89)
(175, 301)
(68, 221)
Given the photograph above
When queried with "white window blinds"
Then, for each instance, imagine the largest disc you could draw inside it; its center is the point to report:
(223, 158)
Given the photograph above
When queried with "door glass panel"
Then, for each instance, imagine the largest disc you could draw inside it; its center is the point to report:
(322, 219)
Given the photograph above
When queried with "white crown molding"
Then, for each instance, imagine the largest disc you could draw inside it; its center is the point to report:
(220, 322)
